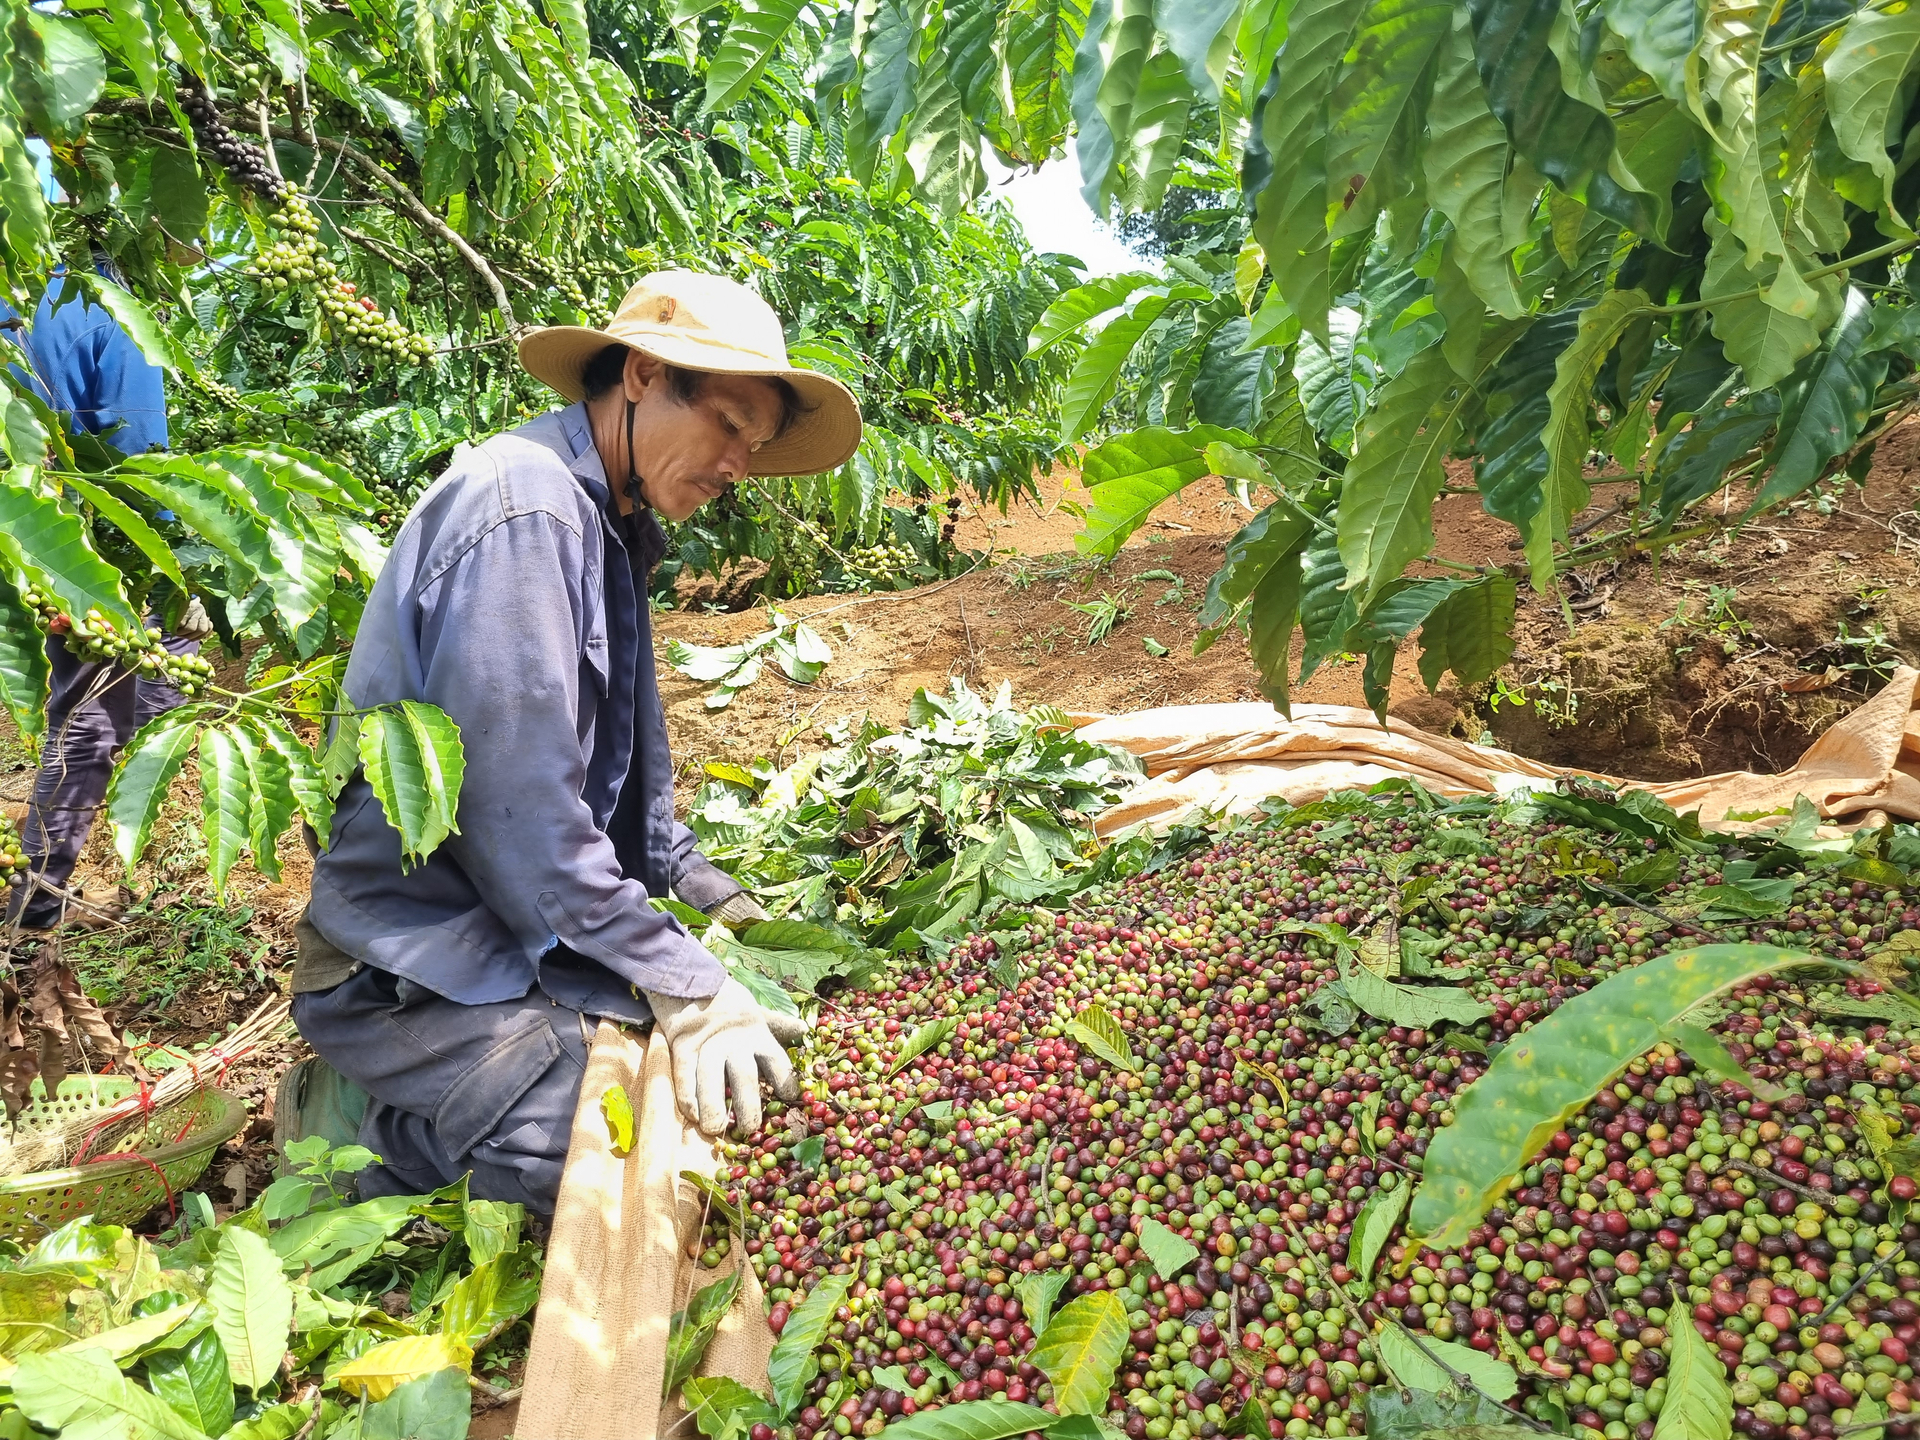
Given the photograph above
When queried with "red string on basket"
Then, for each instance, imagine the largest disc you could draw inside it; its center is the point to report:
(165, 1186)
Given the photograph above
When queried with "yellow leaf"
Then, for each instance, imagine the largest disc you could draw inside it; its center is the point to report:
(619, 1112)
(384, 1368)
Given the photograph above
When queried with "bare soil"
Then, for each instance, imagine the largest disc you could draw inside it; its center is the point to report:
(1671, 668)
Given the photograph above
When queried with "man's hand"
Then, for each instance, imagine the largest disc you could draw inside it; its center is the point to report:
(726, 1042)
(738, 911)
(194, 623)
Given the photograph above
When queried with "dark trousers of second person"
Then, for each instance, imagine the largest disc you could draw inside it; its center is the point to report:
(94, 707)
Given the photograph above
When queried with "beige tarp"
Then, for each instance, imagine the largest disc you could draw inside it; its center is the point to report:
(621, 1261)
(1226, 759)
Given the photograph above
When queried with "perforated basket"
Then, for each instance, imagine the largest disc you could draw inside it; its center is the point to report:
(174, 1144)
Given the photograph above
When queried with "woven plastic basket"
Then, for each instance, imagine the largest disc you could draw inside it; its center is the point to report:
(175, 1144)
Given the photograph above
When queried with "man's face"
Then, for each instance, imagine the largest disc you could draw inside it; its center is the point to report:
(689, 454)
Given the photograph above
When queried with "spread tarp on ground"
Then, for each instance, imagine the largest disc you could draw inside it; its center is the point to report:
(1226, 759)
(622, 1260)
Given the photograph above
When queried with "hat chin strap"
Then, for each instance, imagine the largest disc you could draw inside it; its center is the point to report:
(636, 491)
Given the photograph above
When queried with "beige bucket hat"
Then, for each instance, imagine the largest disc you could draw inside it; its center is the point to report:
(706, 322)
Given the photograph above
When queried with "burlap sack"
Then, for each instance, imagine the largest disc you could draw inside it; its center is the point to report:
(622, 1259)
(1226, 759)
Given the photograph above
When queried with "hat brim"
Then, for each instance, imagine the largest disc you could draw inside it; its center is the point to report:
(823, 436)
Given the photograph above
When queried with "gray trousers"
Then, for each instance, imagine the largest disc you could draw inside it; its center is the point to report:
(454, 1088)
(93, 708)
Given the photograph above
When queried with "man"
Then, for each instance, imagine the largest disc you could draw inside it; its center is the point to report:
(78, 360)
(458, 993)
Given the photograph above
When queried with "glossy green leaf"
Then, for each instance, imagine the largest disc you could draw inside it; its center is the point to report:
(1567, 436)
(1375, 1224)
(83, 1396)
(721, 1407)
(1566, 139)
(1825, 404)
(1765, 340)
(1870, 73)
(305, 781)
(692, 1329)
(130, 523)
(1386, 501)
(1271, 618)
(58, 70)
(1326, 605)
(1699, 1404)
(130, 312)
(1378, 107)
(1166, 1251)
(253, 1306)
(1095, 1028)
(1097, 370)
(924, 1038)
(754, 32)
(1335, 379)
(49, 543)
(972, 1420)
(1290, 218)
(1470, 632)
(1415, 1006)
(1695, 465)
(1075, 309)
(1197, 33)
(224, 805)
(1081, 1351)
(1659, 35)
(793, 1364)
(23, 661)
(1037, 52)
(1159, 115)
(437, 1406)
(193, 1379)
(136, 25)
(1543, 1076)
(1424, 1363)
(139, 786)
(270, 799)
(570, 19)
(414, 763)
(1132, 474)
(1466, 160)
(1723, 90)
(1254, 550)
(1706, 1051)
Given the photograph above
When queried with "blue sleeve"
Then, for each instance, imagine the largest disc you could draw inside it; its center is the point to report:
(123, 399)
(498, 648)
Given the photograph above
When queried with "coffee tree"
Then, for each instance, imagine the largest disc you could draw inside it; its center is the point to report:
(329, 224)
(1662, 235)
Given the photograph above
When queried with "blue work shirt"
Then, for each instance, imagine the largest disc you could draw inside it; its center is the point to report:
(515, 599)
(79, 361)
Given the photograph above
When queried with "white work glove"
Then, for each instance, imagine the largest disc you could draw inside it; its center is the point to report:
(723, 1042)
(738, 911)
(194, 624)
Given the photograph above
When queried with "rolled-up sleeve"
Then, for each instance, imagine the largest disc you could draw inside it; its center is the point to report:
(499, 633)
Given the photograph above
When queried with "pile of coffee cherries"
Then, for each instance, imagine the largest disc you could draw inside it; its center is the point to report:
(1258, 1119)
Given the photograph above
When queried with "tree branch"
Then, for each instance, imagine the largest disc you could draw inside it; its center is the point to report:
(408, 203)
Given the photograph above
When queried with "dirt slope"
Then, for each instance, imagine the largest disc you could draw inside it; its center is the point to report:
(1670, 669)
